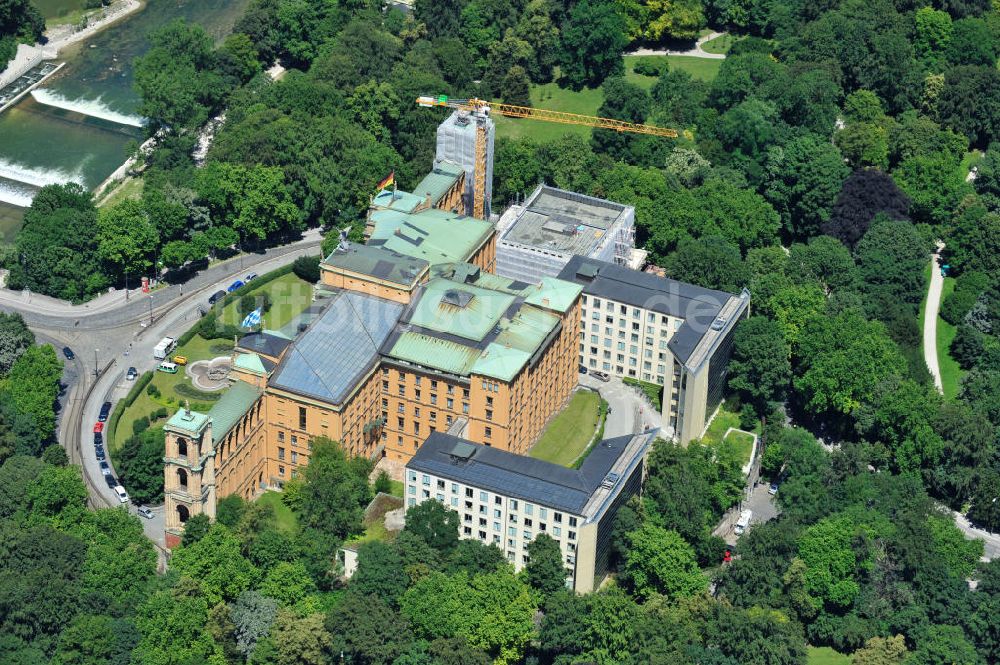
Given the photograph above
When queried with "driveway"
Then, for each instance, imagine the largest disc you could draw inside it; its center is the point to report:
(760, 502)
(930, 318)
(628, 412)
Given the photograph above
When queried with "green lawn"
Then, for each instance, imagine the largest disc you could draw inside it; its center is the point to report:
(289, 294)
(396, 488)
(951, 373)
(744, 444)
(720, 424)
(550, 96)
(285, 517)
(826, 656)
(145, 405)
(923, 303)
(972, 158)
(129, 189)
(720, 44)
(567, 435)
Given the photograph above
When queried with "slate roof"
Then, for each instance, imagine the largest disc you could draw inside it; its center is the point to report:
(266, 342)
(338, 347)
(518, 476)
(232, 406)
(697, 306)
(378, 262)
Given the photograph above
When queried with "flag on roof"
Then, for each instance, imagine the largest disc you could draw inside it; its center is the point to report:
(389, 181)
(252, 320)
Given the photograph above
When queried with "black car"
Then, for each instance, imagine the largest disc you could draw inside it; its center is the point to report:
(131, 374)
(68, 352)
(216, 297)
(105, 412)
(99, 453)
(98, 439)
(105, 469)
(111, 481)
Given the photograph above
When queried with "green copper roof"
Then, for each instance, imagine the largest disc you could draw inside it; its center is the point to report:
(434, 352)
(400, 200)
(190, 422)
(500, 362)
(554, 294)
(436, 236)
(459, 309)
(250, 362)
(231, 407)
(527, 330)
(378, 262)
(276, 333)
(439, 181)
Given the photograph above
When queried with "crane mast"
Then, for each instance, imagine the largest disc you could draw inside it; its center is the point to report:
(481, 109)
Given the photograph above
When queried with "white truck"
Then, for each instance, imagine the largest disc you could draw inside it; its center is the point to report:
(744, 522)
(165, 346)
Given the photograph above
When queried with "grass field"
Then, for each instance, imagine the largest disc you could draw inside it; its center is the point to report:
(286, 519)
(587, 101)
(129, 189)
(716, 434)
(289, 294)
(825, 656)
(720, 44)
(951, 373)
(396, 488)
(568, 434)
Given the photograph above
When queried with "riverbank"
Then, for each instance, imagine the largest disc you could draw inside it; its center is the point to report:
(61, 36)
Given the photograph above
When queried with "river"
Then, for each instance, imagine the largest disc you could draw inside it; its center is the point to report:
(78, 124)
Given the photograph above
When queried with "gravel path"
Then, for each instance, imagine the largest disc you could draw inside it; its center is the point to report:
(695, 52)
(930, 319)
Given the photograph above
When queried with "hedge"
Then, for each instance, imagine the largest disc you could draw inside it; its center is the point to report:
(184, 390)
(653, 391)
(133, 394)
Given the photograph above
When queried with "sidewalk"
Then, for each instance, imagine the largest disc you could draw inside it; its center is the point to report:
(930, 319)
(695, 52)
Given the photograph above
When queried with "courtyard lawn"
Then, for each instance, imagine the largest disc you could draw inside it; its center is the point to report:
(145, 404)
(567, 435)
(951, 373)
(825, 656)
(716, 434)
(284, 516)
(290, 296)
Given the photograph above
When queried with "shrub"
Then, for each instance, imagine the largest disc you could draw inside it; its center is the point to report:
(649, 67)
(307, 268)
(140, 425)
(152, 390)
(383, 483)
(191, 392)
(250, 302)
(968, 346)
(968, 288)
(160, 413)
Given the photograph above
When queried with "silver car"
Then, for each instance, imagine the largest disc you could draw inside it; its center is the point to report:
(144, 511)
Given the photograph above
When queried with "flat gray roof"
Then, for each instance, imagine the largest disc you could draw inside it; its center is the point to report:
(342, 344)
(524, 478)
(697, 306)
(564, 222)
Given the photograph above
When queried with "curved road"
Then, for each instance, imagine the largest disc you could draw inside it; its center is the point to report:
(103, 331)
(695, 52)
(931, 317)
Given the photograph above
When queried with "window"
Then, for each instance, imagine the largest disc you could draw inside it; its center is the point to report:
(433, 415)
(413, 476)
(496, 526)
(527, 521)
(572, 521)
(302, 417)
(425, 479)
(454, 502)
(399, 423)
(416, 393)
(527, 535)
(281, 438)
(556, 531)
(295, 457)
(557, 517)
(281, 453)
(496, 512)
(529, 509)
(295, 439)
(513, 504)
(488, 432)
(411, 489)
(468, 492)
(416, 380)
(511, 531)
(451, 389)
(465, 393)
(454, 488)
(385, 386)
(434, 398)
(489, 401)
(400, 408)
(439, 497)
(385, 404)
(281, 470)
(447, 420)
(467, 530)
(416, 428)
(489, 414)
(484, 497)
(543, 513)
(465, 407)
(450, 403)
(416, 411)
(440, 484)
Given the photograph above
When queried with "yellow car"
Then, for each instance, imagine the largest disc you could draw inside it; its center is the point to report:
(181, 360)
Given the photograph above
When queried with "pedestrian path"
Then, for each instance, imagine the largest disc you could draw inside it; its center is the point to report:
(930, 319)
(695, 51)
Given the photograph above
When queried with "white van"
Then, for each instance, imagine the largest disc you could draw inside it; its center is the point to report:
(743, 522)
(122, 494)
(164, 347)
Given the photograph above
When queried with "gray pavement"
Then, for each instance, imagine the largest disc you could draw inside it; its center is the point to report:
(629, 412)
(762, 505)
(991, 541)
(931, 316)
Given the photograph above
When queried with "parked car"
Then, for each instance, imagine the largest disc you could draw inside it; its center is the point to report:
(99, 452)
(98, 427)
(583, 369)
(122, 494)
(98, 439)
(773, 489)
(131, 374)
(68, 352)
(180, 360)
(144, 511)
(105, 412)
(601, 376)
(216, 297)
(111, 481)
(235, 285)
(169, 368)
(251, 277)
(105, 469)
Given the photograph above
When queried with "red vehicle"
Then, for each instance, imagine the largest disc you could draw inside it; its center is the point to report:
(98, 428)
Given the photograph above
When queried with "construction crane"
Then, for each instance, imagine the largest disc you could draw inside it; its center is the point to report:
(480, 110)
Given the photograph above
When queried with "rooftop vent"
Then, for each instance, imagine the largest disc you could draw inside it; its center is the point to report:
(462, 451)
(587, 271)
(610, 480)
(559, 227)
(456, 297)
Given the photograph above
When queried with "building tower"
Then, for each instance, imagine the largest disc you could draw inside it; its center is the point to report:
(188, 471)
(456, 142)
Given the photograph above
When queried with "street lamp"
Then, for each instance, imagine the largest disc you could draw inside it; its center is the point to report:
(150, 309)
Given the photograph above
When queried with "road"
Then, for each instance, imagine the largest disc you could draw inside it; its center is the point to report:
(695, 52)
(991, 541)
(101, 337)
(629, 412)
(931, 317)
